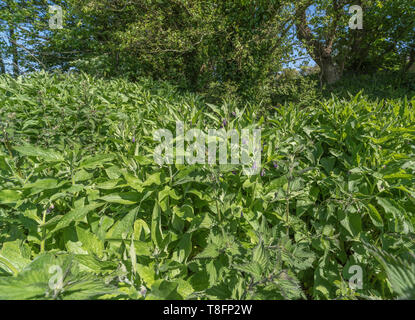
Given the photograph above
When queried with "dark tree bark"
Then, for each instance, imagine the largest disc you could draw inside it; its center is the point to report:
(15, 53)
(411, 61)
(320, 51)
(2, 66)
(13, 43)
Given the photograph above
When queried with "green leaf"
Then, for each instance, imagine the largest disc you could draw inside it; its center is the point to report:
(122, 198)
(76, 215)
(253, 268)
(123, 227)
(90, 242)
(41, 185)
(260, 255)
(9, 196)
(165, 290)
(155, 178)
(375, 216)
(388, 207)
(210, 252)
(94, 264)
(156, 233)
(35, 280)
(46, 155)
(351, 221)
(147, 274)
(95, 161)
(133, 182)
(12, 257)
(183, 248)
(133, 256)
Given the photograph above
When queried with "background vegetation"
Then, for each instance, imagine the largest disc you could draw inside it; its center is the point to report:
(79, 188)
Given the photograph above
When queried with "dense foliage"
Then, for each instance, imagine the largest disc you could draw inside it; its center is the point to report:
(383, 41)
(215, 47)
(79, 190)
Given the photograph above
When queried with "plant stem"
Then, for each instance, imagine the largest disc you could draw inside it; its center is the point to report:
(42, 243)
(287, 199)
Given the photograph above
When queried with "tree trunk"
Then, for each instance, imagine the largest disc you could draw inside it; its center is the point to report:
(329, 70)
(2, 66)
(411, 61)
(13, 42)
(191, 68)
(320, 51)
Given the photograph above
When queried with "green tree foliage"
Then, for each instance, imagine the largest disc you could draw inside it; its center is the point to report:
(201, 45)
(22, 25)
(386, 41)
(216, 47)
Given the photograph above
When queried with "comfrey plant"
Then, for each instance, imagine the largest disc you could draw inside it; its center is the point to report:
(244, 148)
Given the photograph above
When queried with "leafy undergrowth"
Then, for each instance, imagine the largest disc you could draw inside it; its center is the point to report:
(85, 212)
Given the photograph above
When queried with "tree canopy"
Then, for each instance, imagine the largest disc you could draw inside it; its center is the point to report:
(207, 46)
